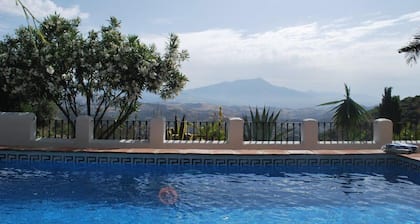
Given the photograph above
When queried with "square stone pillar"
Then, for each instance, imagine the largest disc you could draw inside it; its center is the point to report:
(309, 133)
(235, 138)
(17, 129)
(84, 131)
(157, 132)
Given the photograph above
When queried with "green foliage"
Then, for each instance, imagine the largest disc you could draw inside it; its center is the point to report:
(44, 110)
(408, 131)
(262, 125)
(407, 128)
(410, 107)
(348, 114)
(410, 123)
(9, 102)
(214, 130)
(328, 132)
(109, 70)
(412, 50)
(29, 16)
(390, 108)
(179, 131)
(197, 131)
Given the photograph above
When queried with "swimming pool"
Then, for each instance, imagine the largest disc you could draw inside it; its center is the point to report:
(58, 192)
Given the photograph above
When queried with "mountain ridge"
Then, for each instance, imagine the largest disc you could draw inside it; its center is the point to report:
(253, 92)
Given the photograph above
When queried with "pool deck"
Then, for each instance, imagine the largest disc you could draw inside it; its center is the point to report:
(414, 156)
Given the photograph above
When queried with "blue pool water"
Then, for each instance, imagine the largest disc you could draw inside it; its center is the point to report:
(69, 193)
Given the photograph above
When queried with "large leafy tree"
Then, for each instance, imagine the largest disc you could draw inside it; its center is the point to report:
(12, 101)
(89, 74)
(9, 102)
(390, 108)
(412, 50)
(348, 114)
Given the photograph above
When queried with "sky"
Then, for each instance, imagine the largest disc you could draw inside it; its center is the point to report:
(306, 45)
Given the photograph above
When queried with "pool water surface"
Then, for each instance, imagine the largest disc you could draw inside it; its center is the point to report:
(37, 192)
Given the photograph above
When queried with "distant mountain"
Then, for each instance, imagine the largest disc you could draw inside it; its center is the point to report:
(252, 92)
(207, 112)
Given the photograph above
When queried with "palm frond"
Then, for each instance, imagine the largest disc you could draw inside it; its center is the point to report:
(412, 50)
(330, 103)
(347, 113)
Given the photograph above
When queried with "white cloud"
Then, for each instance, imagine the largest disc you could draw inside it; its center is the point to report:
(41, 8)
(411, 17)
(310, 56)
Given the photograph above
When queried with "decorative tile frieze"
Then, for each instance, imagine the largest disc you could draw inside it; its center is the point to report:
(211, 160)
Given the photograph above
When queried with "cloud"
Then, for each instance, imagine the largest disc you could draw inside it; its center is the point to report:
(306, 45)
(310, 56)
(41, 9)
(411, 17)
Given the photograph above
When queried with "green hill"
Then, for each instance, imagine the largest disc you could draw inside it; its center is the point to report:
(410, 107)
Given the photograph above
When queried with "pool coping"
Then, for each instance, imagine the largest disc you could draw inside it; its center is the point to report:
(227, 157)
(203, 151)
(208, 152)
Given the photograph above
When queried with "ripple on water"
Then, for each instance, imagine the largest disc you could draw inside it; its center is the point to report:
(269, 196)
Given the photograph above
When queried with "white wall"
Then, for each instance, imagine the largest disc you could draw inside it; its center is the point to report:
(19, 129)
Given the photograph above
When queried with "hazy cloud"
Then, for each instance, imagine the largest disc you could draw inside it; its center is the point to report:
(411, 17)
(41, 8)
(312, 56)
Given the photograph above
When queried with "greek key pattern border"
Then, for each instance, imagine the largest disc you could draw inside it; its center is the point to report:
(211, 160)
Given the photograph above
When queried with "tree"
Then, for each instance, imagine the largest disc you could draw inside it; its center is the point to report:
(410, 122)
(12, 101)
(411, 110)
(390, 108)
(347, 113)
(412, 50)
(8, 102)
(89, 75)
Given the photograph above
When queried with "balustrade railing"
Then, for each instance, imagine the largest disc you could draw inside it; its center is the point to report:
(329, 133)
(128, 130)
(217, 131)
(62, 129)
(273, 132)
(407, 132)
(196, 131)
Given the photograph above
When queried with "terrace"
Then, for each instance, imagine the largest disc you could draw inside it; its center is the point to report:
(296, 152)
(158, 136)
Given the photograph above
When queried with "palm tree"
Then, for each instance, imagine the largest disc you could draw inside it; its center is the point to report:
(347, 113)
(412, 50)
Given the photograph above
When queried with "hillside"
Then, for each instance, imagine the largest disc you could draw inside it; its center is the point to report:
(255, 92)
(203, 112)
(410, 107)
